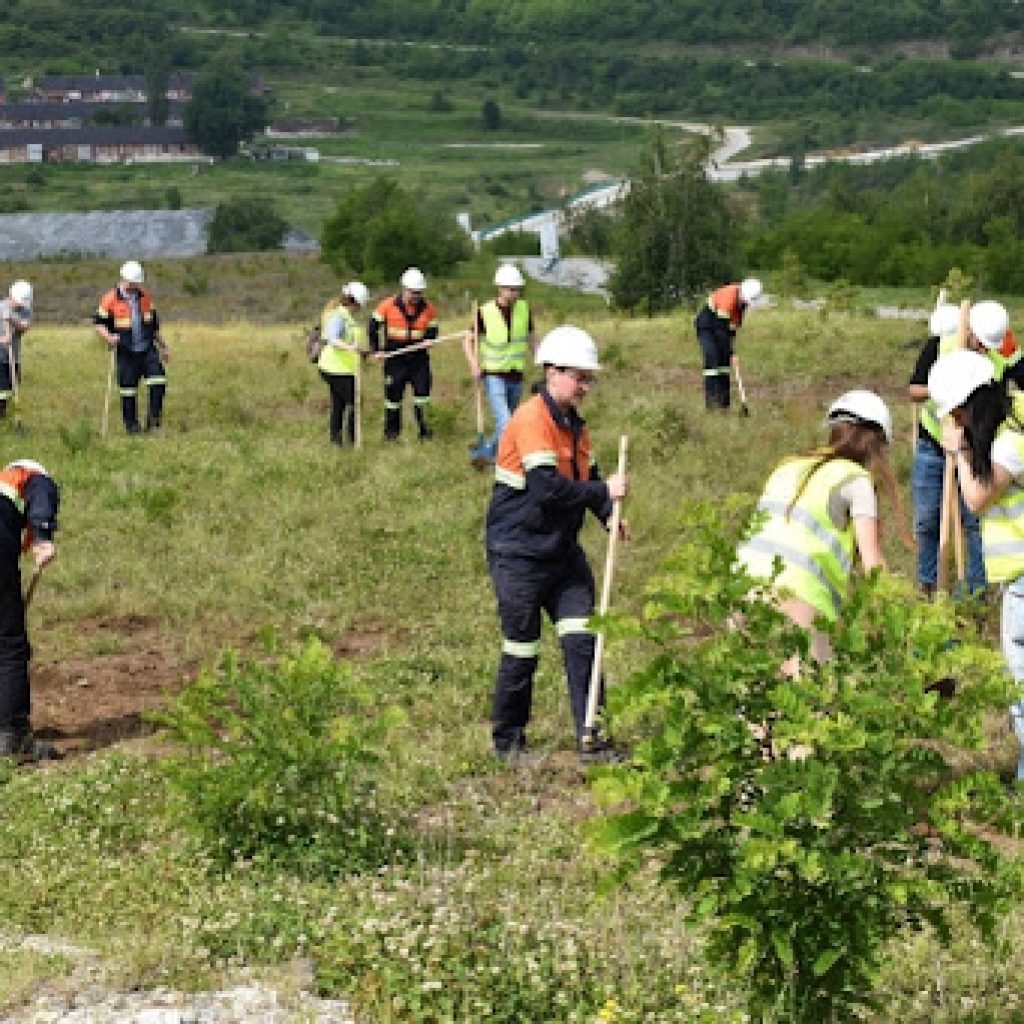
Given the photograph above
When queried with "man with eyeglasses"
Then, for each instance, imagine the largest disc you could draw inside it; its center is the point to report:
(546, 480)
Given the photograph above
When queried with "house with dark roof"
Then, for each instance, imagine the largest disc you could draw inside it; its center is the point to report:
(78, 114)
(99, 144)
(110, 88)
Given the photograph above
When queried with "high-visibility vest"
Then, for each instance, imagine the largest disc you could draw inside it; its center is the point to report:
(13, 479)
(404, 327)
(1001, 359)
(725, 302)
(1002, 525)
(336, 360)
(116, 306)
(817, 558)
(503, 350)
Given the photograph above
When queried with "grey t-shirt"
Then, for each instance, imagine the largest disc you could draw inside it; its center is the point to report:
(138, 340)
(11, 317)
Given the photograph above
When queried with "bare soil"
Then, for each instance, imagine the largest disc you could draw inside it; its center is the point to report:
(83, 704)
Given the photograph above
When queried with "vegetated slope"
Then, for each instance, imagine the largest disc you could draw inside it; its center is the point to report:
(63, 34)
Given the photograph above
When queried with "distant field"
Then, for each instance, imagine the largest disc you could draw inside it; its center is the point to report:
(490, 182)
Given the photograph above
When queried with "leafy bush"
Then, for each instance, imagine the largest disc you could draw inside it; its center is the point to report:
(379, 230)
(859, 814)
(279, 763)
(245, 225)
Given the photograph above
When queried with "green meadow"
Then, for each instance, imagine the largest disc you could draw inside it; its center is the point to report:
(240, 527)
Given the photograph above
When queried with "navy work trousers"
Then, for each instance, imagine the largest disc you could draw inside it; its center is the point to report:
(525, 587)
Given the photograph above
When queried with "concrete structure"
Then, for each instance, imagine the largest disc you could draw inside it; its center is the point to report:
(117, 234)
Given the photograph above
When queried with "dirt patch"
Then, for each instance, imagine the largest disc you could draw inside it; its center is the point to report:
(86, 703)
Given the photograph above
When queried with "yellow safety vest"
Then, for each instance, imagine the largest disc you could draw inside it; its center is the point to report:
(947, 344)
(502, 350)
(1002, 526)
(816, 557)
(336, 360)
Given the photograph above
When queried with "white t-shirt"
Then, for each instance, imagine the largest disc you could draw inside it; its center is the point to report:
(10, 317)
(853, 500)
(1006, 453)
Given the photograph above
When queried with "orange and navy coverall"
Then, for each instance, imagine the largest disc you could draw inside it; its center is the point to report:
(137, 355)
(28, 512)
(395, 326)
(545, 482)
(716, 325)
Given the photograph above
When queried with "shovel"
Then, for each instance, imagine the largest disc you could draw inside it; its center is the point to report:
(105, 420)
(19, 427)
(478, 453)
(744, 408)
(31, 588)
(590, 738)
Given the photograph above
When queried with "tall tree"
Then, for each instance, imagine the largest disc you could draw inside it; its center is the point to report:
(223, 112)
(676, 235)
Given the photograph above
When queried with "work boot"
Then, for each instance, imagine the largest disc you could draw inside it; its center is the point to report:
(25, 748)
(600, 751)
(153, 425)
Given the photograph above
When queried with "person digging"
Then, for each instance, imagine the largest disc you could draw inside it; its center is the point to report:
(546, 480)
(28, 516)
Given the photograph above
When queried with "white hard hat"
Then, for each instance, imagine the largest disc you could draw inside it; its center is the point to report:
(750, 289)
(30, 464)
(357, 292)
(955, 377)
(132, 272)
(414, 280)
(568, 346)
(21, 293)
(508, 276)
(989, 322)
(861, 406)
(945, 320)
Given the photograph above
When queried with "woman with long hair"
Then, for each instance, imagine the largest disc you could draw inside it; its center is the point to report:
(818, 511)
(985, 434)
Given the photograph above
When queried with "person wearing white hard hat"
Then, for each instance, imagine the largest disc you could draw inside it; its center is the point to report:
(29, 501)
(339, 358)
(985, 434)
(127, 321)
(398, 322)
(15, 320)
(716, 323)
(545, 481)
(819, 511)
(989, 335)
(496, 348)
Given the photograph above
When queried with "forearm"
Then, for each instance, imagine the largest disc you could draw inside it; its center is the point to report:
(552, 490)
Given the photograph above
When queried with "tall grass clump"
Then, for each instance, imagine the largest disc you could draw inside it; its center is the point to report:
(279, 762)
(810, 820)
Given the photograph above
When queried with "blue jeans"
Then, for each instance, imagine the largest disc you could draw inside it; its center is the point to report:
(1012, 635)
(503, 397)
(926, 482)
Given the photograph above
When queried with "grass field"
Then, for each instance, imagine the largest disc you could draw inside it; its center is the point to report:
(239, 520)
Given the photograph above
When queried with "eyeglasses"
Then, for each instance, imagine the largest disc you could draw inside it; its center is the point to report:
(579, 376)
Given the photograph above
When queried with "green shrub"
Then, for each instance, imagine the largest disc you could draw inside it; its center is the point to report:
(279, 760)
(245, 225)
(866, 816)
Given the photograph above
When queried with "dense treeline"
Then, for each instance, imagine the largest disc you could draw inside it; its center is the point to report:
(615, 57)
(693, 22)
(902, 222)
